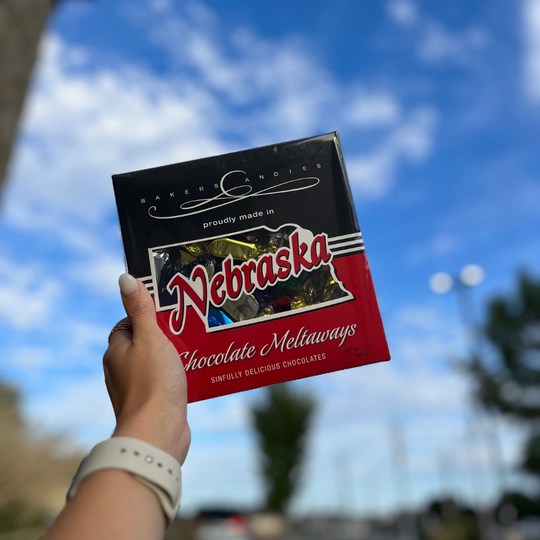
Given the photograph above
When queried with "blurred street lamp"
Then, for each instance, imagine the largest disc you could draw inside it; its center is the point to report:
(469, 276)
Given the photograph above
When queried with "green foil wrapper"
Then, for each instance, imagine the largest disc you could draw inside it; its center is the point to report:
(294, 283)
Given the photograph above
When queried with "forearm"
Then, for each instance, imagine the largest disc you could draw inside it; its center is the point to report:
(110, 505)
(147, 386)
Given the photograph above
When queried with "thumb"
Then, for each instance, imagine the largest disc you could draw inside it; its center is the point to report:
(138, 304)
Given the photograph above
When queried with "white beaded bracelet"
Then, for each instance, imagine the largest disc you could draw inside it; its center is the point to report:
(151, 466)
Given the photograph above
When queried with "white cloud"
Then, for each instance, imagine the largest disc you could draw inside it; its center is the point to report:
(284, 86)
(402, 12)
(424, 339)
(419, 317)
(71, 344)
(27, 297)
(531, 19)
(32, 357)
(83, 123)
(78, 407)
(409, 141)
(438, 44)
(370, 110)
(80, 127)
(227, 413)
(160, 5)
(435, 43)
(292, 95)
(372, 175)
(99, 272)
(439, 245)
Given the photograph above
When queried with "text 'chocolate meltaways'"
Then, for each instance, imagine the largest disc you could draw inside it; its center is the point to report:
(256, 264)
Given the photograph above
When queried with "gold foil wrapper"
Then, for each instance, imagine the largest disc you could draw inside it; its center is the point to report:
(197, 249)
(271, 247)
(241, 251)
(301, 300)
(332, 291)
(269, 310)
(315, 285)
(187, 257)
(311, 289)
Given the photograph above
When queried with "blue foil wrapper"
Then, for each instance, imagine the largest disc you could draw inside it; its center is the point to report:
(217, 318)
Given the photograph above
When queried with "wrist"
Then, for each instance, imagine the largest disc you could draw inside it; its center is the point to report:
(152, 425)
(156, 469)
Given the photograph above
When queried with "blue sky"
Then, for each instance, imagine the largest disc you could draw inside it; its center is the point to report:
(438, 107)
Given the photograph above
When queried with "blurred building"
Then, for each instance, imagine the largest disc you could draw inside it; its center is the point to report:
(21, 25)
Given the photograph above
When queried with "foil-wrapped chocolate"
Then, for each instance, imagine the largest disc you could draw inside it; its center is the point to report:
(283, 303)
(301, 300)
(242, 309)
(296, 283)
(167, 263)
(216, 317)
(241, 251)
(308, 288)
(197, 249)
(332, 291)
(187, 257)
(266, 296)
(265, 312)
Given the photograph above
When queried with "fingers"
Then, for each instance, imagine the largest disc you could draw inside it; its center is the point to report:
(138, 305)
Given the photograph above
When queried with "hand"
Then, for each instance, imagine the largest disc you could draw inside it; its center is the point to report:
(145, 377)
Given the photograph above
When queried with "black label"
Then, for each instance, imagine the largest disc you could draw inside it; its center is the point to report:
(302, 182)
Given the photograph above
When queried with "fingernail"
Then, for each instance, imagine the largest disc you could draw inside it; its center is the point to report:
(128, 285)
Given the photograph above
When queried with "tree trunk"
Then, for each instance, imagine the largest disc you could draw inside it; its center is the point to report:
(21, 25)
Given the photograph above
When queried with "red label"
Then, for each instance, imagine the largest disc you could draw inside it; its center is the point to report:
(274, 349)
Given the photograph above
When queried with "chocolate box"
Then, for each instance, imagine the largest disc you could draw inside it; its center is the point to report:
(256, 264)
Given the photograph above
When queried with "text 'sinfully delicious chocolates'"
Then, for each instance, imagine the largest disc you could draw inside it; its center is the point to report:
(256, 264)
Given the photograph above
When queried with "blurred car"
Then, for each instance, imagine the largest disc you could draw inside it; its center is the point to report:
(527, 528)
(222, 525)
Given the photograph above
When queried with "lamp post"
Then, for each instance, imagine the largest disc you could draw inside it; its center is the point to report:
(468, 277)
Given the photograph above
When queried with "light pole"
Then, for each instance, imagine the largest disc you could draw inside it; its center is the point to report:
(407, 527)
(468, 277)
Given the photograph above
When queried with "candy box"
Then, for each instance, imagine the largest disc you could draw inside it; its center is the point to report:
(256, 264)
